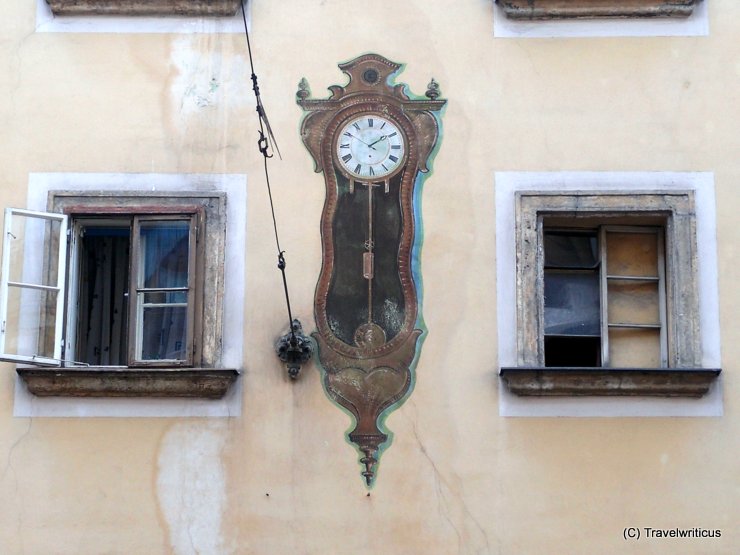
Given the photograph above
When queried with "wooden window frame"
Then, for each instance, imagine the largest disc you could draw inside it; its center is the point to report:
(660, 279)
(194, 294)
(601, 232)
(679, 376)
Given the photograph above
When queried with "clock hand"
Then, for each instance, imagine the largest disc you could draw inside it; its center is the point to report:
(363, 142)
(381, 138)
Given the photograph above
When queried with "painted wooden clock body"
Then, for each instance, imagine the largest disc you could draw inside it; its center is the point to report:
(373, 143)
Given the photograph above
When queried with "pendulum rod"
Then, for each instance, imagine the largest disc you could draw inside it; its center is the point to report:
(369, 256)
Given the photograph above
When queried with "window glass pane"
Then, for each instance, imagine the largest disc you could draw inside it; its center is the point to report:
(165, 249)
(634, 348)
(631, 302)
(164, 333)
(571, 250)
(34, 311)
(632, 254)
(572, 304)
(30, 236)
(165, 297)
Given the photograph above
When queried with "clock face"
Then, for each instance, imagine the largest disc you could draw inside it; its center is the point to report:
(370, 147)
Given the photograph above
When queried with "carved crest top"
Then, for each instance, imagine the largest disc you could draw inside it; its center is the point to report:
(369, 74)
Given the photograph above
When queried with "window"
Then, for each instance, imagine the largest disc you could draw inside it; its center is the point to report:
(134, 281)
(604, 297)
(599, 18)
(136, 16)
(559, 9)
(126, 287)
(607, 295)
(150, 7)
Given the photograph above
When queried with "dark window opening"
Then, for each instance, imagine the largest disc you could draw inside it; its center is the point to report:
(572, 299)
(102, 325)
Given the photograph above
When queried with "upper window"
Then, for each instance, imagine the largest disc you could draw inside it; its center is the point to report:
(150, 7)
(571, 9)
(600, 18)
(115, 281)
(136, 16)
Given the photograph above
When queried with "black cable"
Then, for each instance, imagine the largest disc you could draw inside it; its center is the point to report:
(264, 145)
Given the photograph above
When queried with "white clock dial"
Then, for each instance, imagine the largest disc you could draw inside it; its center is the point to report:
(370, 147)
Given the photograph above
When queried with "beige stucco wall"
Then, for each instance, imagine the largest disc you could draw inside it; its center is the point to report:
(280, 478)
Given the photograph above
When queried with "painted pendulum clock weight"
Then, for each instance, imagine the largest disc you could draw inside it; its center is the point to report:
(373, 142)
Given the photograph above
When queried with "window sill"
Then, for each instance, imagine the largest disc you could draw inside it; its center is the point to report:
(207, 8)
(575, 9)
(572, 382)
(204, 383)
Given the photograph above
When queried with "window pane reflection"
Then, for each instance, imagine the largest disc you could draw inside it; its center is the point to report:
(165, 248)
(164, 333)
(572, 303)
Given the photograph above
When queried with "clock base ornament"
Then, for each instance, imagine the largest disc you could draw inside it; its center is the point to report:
(367, 387)
(373, 141)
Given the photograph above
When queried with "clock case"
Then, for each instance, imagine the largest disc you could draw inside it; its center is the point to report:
(368, 334)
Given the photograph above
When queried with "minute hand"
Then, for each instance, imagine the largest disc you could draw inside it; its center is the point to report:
(363, 142)
(374, 142)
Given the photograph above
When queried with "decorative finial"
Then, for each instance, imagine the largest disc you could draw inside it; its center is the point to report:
(369, 461)
(432, 90)
(304, 91)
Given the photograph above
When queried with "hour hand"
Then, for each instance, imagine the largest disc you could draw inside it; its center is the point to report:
(380, 139)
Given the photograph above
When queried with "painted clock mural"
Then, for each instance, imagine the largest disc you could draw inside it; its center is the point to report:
(373, 141)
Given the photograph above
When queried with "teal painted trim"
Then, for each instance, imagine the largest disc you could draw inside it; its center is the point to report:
(416, 273)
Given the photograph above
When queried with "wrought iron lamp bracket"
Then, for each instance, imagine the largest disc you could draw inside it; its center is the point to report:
(294, 349)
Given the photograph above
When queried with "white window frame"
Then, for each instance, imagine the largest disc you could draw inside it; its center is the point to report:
(59, 288)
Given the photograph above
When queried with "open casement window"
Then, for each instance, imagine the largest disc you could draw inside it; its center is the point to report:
(607, 298)
(132, 320)
(32, 293)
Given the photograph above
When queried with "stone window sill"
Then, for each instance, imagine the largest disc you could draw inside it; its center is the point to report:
(205, 383)
(573, 382)
(577, 9)
(193, 8)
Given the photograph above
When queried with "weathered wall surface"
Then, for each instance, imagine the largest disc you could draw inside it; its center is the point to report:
(280, 478)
